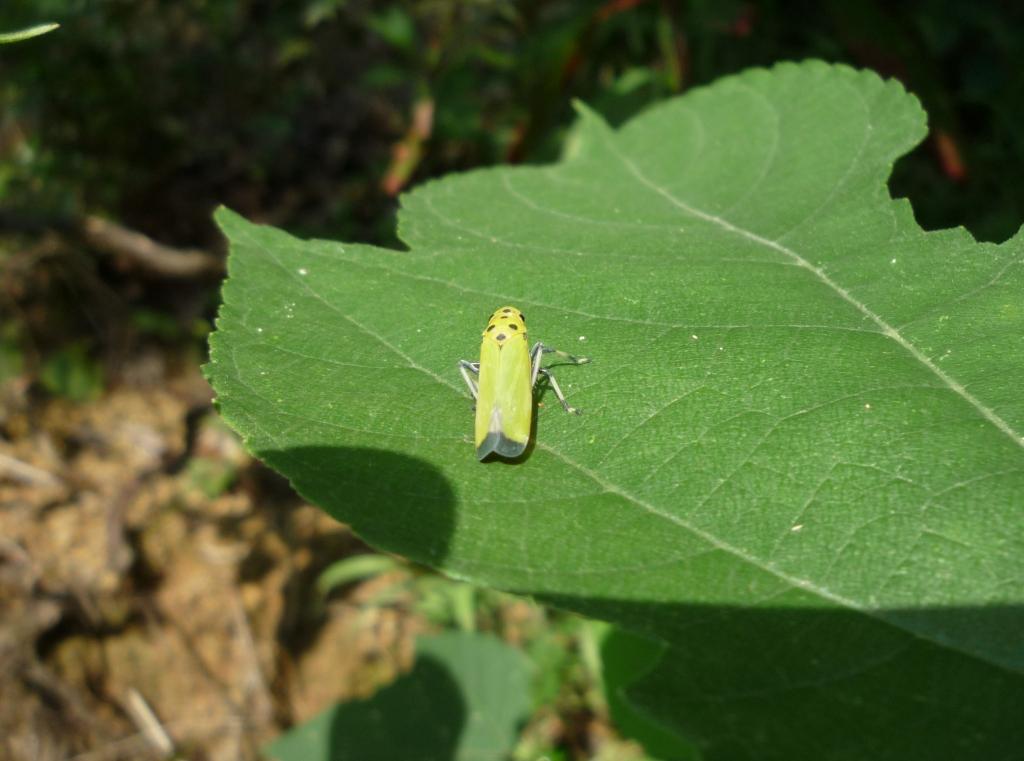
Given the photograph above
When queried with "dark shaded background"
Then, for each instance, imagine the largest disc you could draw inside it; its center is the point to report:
(123, 130)
(314, 115)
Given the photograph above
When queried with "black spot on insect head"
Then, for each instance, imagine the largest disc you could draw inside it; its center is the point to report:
(521, 317)
(491, 327)
(513, 326)
(506, 310)
(501, 336)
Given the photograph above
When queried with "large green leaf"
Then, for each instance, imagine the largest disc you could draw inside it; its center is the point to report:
(800, 463)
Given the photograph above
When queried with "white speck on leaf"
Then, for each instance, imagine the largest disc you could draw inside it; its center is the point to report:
(796, 527)
(303, 271)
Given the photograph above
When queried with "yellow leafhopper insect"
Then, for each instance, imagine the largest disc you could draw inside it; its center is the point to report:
(506, 375)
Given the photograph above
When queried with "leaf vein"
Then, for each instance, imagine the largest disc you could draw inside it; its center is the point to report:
(885, 328)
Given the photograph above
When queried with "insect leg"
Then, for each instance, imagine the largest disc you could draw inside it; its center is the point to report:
(465, 368)
(535, 355)
(565, 355)
(558, 391)
(539, 350)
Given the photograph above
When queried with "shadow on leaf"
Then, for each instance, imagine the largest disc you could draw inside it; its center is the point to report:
(799, 683)
(342, 478)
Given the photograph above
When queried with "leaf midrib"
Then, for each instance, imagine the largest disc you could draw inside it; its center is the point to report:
(889, 331)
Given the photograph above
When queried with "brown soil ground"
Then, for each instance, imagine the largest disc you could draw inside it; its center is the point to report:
(157, 589)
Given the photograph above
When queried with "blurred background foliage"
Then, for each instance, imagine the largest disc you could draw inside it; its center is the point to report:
(315, 115)
(121, 131)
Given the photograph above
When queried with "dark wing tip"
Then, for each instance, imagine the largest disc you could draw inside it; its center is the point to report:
(496, 443)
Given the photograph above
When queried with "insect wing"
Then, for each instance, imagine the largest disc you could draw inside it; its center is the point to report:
(504, 407)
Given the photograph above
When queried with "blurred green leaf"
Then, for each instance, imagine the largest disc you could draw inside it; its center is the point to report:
(625, 658)
(395, 26)
(25, 34)
(293, 49)
(445, 602)
(384, 76)
(11, 358)
(628, 94)
(355, 568)
(155, 323)
(463, 701)
(212, 477)
(71, 373)
(322, 10)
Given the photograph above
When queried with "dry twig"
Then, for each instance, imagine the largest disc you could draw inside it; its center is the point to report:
(113, 238)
